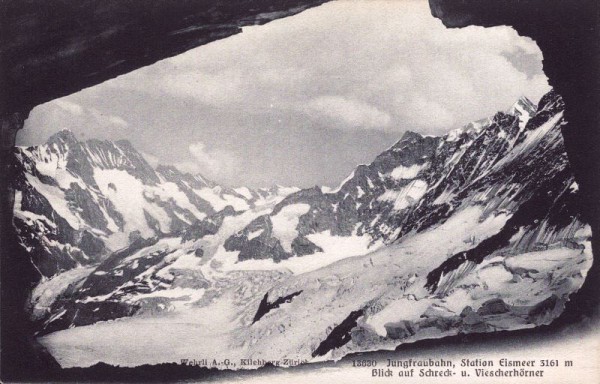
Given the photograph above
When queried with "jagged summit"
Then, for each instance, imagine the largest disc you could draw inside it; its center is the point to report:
(410, 135)
(94, 197)
(125, 143)
(65, 135)
(409, 138)
(523, 109)
(523, 104)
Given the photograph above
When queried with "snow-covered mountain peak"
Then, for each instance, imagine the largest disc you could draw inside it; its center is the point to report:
(65, 136)
(467, 131)
(408, 137)
(523, 109)
(97, 196)
(522, 105)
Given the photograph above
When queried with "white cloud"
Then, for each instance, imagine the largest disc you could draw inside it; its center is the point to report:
(355, 65)
(438, 115)
(105, 119)
(70, 107)
(218, 88)
(188, 167)
(210, 162)
(66, 113)
(382, 66)
(352, 113)
(117, 121)
(151, 159)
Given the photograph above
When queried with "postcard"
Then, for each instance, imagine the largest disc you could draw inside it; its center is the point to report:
(300, 191)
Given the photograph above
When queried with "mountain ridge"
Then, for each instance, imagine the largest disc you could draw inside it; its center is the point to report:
(87, 191)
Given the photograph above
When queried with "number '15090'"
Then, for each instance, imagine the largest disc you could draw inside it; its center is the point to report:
(364, 363)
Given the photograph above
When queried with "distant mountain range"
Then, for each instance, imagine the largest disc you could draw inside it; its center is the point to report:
(79, 201)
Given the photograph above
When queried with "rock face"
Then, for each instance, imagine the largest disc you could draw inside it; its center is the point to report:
(568, 36)
(511, 164)
(78, 202)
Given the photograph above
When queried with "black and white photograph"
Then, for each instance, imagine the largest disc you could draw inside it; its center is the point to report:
(296, 191)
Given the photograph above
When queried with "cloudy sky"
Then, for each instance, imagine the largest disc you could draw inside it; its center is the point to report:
(303, 100)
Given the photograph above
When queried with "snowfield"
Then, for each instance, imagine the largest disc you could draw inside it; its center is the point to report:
(126, 188)
(387, 283)
(219, 200)
(402, 172)
(56, 198)
(285, 223)
(406, 196)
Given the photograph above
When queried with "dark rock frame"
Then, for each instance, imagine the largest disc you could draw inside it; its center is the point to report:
(49, 49)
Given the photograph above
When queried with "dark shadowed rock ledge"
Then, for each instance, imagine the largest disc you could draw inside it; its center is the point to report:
(50, 49)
